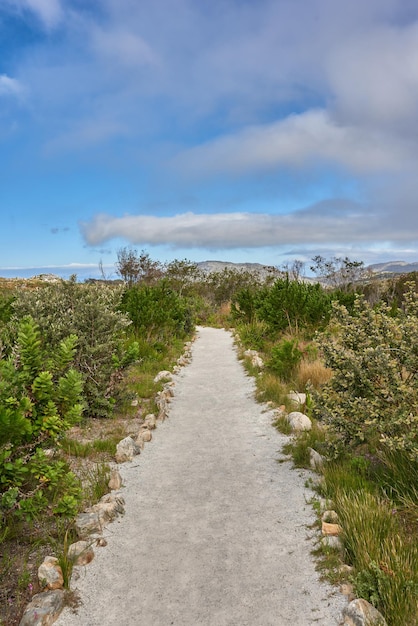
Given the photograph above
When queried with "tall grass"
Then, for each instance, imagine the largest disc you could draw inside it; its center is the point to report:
(313, 372)
(271, 389)
(385, 559)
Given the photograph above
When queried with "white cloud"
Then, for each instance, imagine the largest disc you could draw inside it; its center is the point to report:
(10, 86)
(310, 138)
(240, 230)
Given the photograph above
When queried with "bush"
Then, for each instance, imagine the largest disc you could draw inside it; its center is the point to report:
(284, 359)
(90, 312)
(157, 311)
(372, 397)
(40, 398)
(287, 304)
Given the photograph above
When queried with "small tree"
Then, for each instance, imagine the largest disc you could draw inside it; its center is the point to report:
(182, 274)
(128, 265)
(138, 269)
(337, 272)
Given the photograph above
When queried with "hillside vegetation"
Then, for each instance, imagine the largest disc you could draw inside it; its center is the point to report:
(78, 363)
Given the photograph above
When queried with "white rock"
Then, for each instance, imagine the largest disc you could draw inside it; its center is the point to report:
(257, 361)
(332, 541)
(115, 481)
(50, 573)
(143, 437)
(150, 421)
(126, 450)
(89, 523)
(109, 506)
(297, 399)
(330, 516)
(81, 552)
(360, 613)
(163, 375)
(315, 459)
(299, 421)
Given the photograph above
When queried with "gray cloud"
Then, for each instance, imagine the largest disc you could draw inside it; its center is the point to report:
(339, 222)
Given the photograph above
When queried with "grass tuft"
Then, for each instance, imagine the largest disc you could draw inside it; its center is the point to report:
(271, 389)
(313, 372)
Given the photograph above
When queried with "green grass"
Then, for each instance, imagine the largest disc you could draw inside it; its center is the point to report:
(344, 477)
(76, 448)
(384, 557)
(299, 445)
(271, 389)
(106, 446)
(282, 425)
(95, 482)
(253, 335)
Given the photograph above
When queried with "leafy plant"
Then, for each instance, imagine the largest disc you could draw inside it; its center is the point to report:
(36, 406)
(372, 397)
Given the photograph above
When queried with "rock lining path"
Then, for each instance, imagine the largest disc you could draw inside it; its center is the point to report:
(215, 530)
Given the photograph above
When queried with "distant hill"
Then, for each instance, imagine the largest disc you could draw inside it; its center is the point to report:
(257, 268)
(393, 267)
(378, 269)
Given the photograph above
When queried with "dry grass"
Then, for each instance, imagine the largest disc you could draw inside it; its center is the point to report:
(314, 372)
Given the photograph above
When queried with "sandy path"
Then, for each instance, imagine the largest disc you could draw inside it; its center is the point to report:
(215, 530)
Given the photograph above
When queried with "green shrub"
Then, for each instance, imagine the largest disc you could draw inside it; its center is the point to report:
(287, 304)
(372, 397)
(40, 398)
(284, 359)
(157, 311)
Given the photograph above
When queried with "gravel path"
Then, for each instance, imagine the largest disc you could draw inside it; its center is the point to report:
(215, 530)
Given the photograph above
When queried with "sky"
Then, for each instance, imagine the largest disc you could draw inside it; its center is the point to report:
(237, 130)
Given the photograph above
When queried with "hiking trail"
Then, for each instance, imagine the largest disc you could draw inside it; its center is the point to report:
(216, 531)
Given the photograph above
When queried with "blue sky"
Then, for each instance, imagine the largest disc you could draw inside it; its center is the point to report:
(240, 130)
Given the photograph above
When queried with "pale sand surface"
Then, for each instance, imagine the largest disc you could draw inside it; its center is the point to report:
(216, 530)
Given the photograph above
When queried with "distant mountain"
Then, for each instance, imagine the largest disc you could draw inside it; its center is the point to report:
(393, 267)
(219, 266)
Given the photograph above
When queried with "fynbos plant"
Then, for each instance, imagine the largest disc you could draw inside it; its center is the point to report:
(40, 397)
(372, 397)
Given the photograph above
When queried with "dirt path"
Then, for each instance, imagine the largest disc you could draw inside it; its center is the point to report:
(215, 530)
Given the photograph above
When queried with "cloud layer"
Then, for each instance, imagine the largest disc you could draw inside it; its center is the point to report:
(336, 222)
